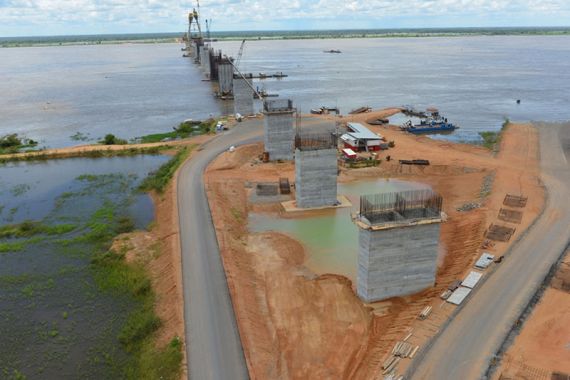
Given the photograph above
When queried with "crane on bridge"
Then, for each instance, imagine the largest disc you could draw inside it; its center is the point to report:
(194, 15)
(240, 54)
(208, 26)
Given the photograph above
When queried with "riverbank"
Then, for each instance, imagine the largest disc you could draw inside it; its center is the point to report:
(290, 316)
(158, 250)
(98, 150)
(105, 39)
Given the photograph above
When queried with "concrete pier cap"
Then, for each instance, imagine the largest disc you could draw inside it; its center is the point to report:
(398, 243)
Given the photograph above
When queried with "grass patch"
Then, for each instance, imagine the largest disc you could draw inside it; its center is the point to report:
(140, 325)
(236, 214)
(11, 279)
(12, 143)
(79, 136)
(102, 152)
(29, 228)
(492, 139)
(12, 247)
(183, 130)
(159, 364)
(111, 139)
(113, 274)
(158, 137)
(158, 180)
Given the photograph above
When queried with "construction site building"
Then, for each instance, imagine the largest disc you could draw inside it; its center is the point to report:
(243, 96)
(278, 124)
(316, 170)
(398, 243)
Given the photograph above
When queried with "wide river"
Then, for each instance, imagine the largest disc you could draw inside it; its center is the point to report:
(51, 93)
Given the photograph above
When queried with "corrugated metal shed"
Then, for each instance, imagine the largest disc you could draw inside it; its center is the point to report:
(484, 261)
(360, 132)
(472, 279)
(459, 295)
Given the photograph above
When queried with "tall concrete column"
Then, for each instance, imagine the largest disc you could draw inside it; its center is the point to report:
(243, 97)
(398, 245)
(225, 76)
(279, 133)
(316, 170)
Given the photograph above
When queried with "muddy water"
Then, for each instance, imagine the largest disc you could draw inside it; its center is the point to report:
(330, 240)
(55, 321)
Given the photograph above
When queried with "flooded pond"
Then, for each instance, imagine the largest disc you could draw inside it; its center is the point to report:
(56, 320)
(331, 239)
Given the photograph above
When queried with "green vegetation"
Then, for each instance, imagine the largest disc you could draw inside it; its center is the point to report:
(14, 144)
(183, 130)
(125, 224)
(158, 180)
(42, 156)
(111, 139)
(79, 136)
(163, 364)
(29, 228)
(113, 274)
(236, 214)
(20, 189)
(492, 140)
(126, 347)
(11, 247)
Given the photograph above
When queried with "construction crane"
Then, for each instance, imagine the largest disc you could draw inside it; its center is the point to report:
(240, 53)
(256, 92)
(194, 15)
(208, 26)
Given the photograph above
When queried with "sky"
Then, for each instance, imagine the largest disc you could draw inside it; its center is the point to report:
(69, 17)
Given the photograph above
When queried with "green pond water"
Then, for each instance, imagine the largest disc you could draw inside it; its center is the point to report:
(330, 240)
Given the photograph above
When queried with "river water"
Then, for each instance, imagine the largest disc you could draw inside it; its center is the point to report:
(56, 322)
(50, 93)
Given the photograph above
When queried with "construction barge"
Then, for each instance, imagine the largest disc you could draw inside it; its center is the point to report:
(430, 122)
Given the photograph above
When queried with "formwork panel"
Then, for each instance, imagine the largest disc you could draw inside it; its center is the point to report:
(316, 177)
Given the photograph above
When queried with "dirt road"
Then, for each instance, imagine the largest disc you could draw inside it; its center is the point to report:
(465, 347)
(212, 339)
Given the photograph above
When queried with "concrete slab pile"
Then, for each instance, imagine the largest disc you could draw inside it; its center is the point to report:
(278, 128)
(316, 170)
(398, 243)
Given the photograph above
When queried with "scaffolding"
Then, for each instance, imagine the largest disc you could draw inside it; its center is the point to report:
(315, 141)
(400, 206)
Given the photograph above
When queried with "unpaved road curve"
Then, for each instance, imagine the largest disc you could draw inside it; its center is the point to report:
(466, 346)
(213, 344)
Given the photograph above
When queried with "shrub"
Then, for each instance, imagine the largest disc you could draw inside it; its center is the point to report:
(111, 139)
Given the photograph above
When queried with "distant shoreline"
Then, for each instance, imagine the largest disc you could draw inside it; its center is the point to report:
(153, 38)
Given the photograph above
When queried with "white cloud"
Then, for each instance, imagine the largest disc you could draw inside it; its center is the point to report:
(97, 16)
